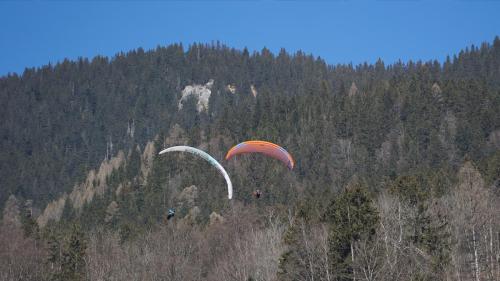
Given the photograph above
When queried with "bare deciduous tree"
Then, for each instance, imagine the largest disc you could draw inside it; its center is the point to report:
(474, 211)
(21, 257)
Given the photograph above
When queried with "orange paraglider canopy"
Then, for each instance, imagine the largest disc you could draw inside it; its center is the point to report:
(267, 148)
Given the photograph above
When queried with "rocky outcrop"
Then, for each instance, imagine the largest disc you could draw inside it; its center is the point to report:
(437, 93)
(216, 218)
(200, 92)
(131, 128)
(253, 90)
(231, 88)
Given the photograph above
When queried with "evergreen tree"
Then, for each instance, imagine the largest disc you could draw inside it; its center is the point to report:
(351, 217)
(426, 230)
(73, 255)
(54, 248)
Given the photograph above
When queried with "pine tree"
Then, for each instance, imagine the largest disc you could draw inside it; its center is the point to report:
(290, 266)
(73, 255)
(54, 248)
(427, 230)
(351, 217)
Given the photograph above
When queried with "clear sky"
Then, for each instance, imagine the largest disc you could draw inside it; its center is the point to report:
(34, 33)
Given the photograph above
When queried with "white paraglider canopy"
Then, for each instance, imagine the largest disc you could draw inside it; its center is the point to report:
(207, 157)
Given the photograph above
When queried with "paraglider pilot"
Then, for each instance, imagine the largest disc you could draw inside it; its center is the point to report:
(257, 193)
(171, 213)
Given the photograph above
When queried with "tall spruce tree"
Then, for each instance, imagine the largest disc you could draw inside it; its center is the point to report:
(73, 255)
(351, 217)
(426, 230)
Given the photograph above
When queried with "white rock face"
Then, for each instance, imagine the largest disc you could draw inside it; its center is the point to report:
(254, 91)
(200, 92)
(231, 88)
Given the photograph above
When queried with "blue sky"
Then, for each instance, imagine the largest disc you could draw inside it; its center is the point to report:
(34, 33)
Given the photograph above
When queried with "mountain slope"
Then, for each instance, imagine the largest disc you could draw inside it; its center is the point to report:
(61, 121)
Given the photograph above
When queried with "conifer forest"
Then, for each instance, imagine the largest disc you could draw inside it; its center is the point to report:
(396, 170)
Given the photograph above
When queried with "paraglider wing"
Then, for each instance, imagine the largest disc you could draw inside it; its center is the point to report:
(264, 147)
(207, 157)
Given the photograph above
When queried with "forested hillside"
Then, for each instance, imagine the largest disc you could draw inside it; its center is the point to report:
(60, 121)
(397, 172)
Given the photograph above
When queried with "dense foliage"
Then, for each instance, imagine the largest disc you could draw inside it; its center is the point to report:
(61, 120)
